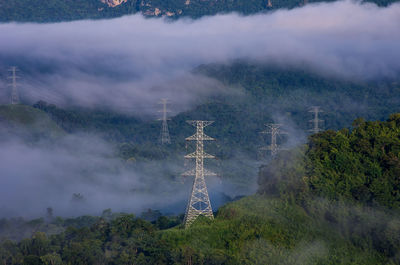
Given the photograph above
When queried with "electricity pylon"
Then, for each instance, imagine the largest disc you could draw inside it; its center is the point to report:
(316, 121)
(164, 135)
(14, 91)
(199, 202)
(275, 130)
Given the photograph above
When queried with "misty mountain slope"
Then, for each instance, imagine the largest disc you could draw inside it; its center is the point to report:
(267, 94)
(297, 221)
(28, 122)
(65, 10)
(287, 93)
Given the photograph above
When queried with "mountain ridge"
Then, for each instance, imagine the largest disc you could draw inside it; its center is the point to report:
(43, 11)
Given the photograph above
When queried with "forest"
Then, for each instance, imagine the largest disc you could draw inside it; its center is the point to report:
(64, 10)
(327, 198)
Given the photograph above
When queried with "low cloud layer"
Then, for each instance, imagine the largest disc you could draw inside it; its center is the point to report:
(81, 174)
(43, 175)
(130, 62)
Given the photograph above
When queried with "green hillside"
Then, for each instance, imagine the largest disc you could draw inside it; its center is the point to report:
(66, 10)
(27, 122)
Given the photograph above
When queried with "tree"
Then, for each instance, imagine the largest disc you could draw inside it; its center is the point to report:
(51, 259)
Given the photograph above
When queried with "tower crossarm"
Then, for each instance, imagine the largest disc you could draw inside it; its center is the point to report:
(192, 172)
(202, 137)
(196, 155)
(202, 123)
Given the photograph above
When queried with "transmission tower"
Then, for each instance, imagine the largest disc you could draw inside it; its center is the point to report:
(14, 92)
(164, 135)
(199, 202)
(316, 121)
(274, 130)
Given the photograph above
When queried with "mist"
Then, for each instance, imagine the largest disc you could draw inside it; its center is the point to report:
(129, 63)
(80, 174)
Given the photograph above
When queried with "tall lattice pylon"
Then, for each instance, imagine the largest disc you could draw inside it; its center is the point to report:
(14, 89)
(199, 202)
(274, 130)
(164, 135)
(316, 121)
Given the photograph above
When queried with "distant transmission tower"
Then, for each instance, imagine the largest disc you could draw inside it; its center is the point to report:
(164, 135)
(275, 130)
(316, 121)
(14, 92)
(199, 202)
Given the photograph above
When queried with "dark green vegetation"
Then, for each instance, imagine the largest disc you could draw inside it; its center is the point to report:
(360, 165)
(27, 122)
(285, 94)
(254, 230)
(65, 10)
(261, 94)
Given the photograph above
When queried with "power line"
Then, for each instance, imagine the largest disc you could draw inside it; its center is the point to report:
(199, 201)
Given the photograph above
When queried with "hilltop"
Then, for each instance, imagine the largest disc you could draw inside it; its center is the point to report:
(65, 10)
(27, 122)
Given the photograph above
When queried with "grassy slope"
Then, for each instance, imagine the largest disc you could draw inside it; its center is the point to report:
(261, 230)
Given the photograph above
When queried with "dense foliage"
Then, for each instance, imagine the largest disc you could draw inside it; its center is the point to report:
(361, 165)
(65, 10)
(254, 230)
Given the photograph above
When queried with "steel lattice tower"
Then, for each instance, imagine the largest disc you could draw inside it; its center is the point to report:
(316, 128)
(199, 202)
(275, 130)
(14, 91)
(164, 135)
